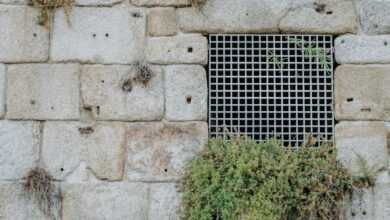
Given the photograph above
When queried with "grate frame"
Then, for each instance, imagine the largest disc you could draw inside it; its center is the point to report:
(272, 86)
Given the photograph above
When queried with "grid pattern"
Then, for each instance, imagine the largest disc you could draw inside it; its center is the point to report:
(272, 86)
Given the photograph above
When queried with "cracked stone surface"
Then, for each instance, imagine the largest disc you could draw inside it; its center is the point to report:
(164, 201)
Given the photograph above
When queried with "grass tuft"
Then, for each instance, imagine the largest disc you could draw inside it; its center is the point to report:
(47, 7)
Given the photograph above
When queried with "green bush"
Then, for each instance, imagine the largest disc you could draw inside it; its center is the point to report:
(242, 179)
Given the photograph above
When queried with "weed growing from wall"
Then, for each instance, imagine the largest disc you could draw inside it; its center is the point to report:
(242, 179)
(143, 75)
(198, 3)
(47, 7)
(367, 175)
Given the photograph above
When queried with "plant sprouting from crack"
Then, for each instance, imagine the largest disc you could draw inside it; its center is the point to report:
(367, 174)
(39, 188)
(47, 7)
(143, 74)
(275, 59)
(198, 3)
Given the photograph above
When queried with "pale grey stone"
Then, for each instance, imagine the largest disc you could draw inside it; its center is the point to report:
(67, 145)
(149, 3)
(164, 201)
(230, 16)
(99, 35)
(162, 22)
(327, 16)
(181, 49)
(97, 2)
(102, 91)
(361, 205)
(382, 196)
(159, 151)
(19, 148)
(43, 91)
(358, 49)
(15, 205)
(21, 38)
(114, 201)
(14, 2)
(362, 92)
(356, 141)
(375, 17)
(2, 89)
(186, 93)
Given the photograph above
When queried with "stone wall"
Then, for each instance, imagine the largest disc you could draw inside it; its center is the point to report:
(71, 100)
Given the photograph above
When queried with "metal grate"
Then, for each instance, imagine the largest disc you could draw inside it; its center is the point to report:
(272, 86)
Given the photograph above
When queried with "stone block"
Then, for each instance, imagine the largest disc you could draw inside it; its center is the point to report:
(329, 16)
(375, 17)
(366, 140)
(149, 3)
(164, 201)
(186, 93)
(43, 91)
(104, 92)
(182, 49)
(67, 145)
(358, 49)
(114, 201)
(229, 16)
(361, 205)
(22, 39)
(382, 196)
(162, 22)
(19, 148)
(99, 35)
(2, 89)
(362, 92)
(160, 151)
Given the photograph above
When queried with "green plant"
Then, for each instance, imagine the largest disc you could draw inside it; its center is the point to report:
(39, 187)
(46, 8)
(367, 175)
(242, 179)
(277, 60)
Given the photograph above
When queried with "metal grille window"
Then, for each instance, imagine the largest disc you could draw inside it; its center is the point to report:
(268, 86)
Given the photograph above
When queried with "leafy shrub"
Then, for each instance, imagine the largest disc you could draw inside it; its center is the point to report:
(242, 179)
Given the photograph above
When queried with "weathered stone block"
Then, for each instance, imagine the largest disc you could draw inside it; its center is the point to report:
(66, 145)
(329, 16)
(361, 205)
(43, 91)
(114, 201)
(19, 148)
(186, 93)
(229, 16)
(183, 49)
(375, 17)
(382, 196)
(362, 49)
(2, 90)
(22, 39)
(159, 151)
(362, 92)
(164, 201)
(162, 22)
(366, 140)
(160, 2)
(115, 93)
(99, 35)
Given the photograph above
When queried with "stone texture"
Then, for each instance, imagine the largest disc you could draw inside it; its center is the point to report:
(164, 201)
(328, 16)
(159, 151)
(182, 49)
(160, 2)
(375, 17)
(99, 35)
(14, 2)
(382, 196)
(97, 2)
(365, 139)
(362, 92)
(359, 49)
(15, 206)
(229, 16)
(19, 148)
(362, 205)
(66, 145)
(43, 91)
(2, 89)
(162, 22)
(186, 93)
(102, 91)
(114, 201)
(21, 38)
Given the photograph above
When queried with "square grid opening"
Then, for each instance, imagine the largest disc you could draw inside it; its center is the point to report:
(271, 86)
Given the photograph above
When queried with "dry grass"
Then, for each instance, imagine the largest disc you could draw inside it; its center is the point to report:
(47, 7)
(39, 188)
(144, 73)
(198, 3)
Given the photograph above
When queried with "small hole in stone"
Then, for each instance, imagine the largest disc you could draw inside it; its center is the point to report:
(166, 170)
(329, 12)
(102, 81)
(107, 35)
(365, 109)
(349, 99)
(98, 110)
(376, 26)
(32, 102)
(52, 108)
(190, 49)
(385, 43)
(342, 41)
(62, 169)
(136, 15)
(35, 34)
(188, 99)
(353, 214)
(93, 35)
(364, 212)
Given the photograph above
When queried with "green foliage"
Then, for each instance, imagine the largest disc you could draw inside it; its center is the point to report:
(367, 175)
(242, 179)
